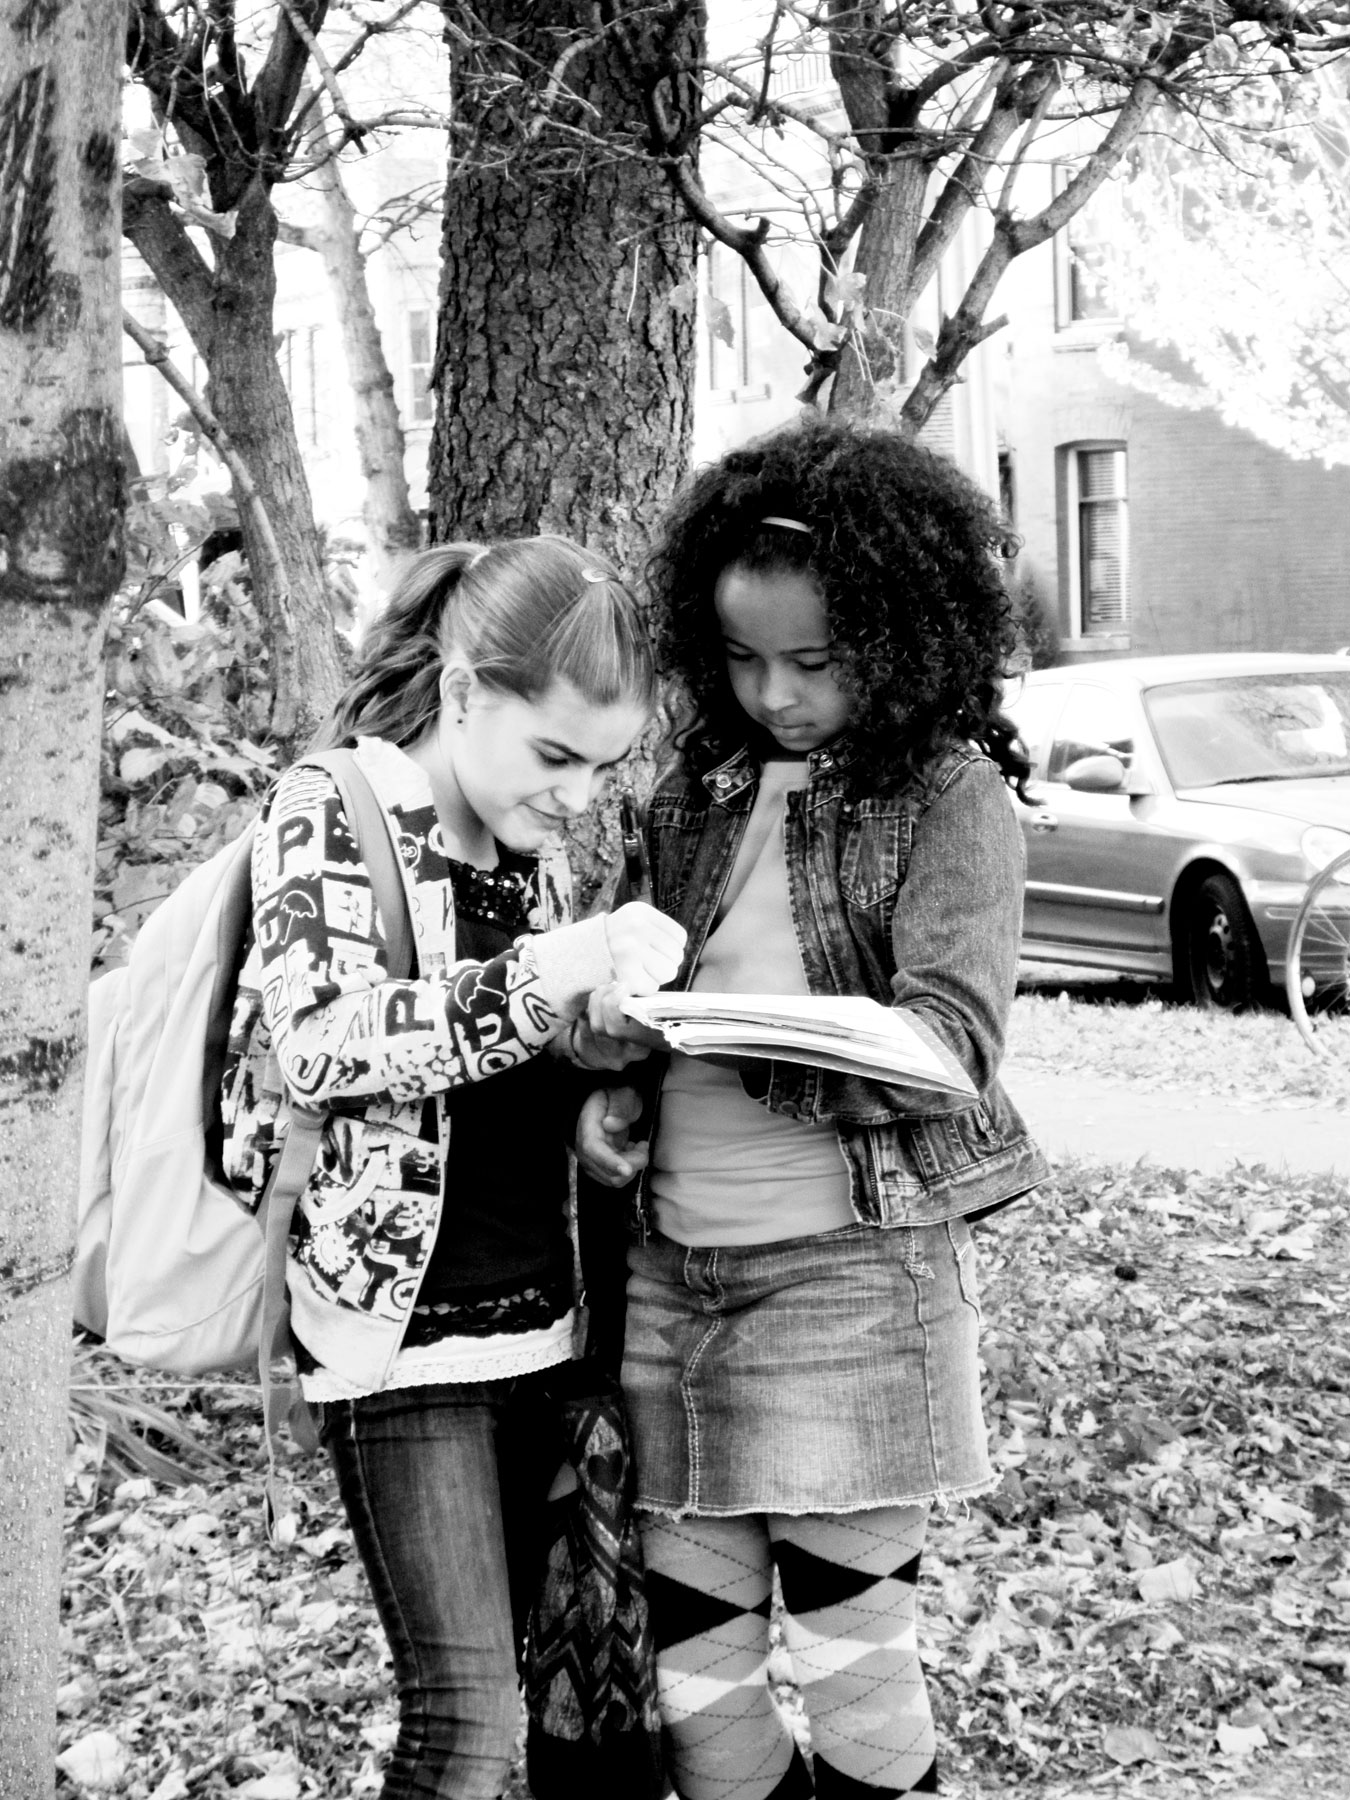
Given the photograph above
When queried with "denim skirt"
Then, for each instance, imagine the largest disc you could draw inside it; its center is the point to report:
(831, 1373)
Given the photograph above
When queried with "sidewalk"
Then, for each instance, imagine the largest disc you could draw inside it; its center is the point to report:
(1102, 1121)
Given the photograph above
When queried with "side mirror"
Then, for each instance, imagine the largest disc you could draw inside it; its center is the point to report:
(1102, 774)
(1137, 784)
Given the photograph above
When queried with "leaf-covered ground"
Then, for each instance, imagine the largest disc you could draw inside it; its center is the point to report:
(1132, 1032)
(1157, 1601)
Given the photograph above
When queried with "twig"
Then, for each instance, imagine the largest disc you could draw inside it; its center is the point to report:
(553, 86)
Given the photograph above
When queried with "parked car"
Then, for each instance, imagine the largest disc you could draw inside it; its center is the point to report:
(1182, 805)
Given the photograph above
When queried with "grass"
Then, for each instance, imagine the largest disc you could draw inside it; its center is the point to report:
(1134, 1033)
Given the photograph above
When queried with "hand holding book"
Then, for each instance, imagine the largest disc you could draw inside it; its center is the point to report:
(851, 1034)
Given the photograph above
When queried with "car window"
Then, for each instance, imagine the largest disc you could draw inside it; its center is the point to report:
(1095, 722)
(1034, 711)
(1252, 728)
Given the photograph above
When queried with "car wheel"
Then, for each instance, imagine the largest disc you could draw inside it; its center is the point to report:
(1223, 953)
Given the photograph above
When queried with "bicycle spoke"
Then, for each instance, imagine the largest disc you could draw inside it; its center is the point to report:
(1318, 964)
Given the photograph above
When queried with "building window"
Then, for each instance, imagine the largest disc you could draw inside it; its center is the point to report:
(421, 344)
(1007, 489)
(1080, 297)
(296, 358)
(1094, 537)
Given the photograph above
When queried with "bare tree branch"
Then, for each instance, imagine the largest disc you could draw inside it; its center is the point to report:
(276, 88)
(179, 267)
(352, 133)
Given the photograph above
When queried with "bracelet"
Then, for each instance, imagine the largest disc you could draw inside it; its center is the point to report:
(572, 1050)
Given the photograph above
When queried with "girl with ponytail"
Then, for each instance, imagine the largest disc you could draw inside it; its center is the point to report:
(430, 1269)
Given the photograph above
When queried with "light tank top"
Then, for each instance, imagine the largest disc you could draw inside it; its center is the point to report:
(726, 1170)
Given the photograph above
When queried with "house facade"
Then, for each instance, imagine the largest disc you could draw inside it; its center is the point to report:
(1145, 528)
(1149, 528)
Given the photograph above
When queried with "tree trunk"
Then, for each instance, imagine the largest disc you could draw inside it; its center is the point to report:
(227, 308)
(872, 365)
(564, 378)
(247, 394)
(393, 531)
(61, 487)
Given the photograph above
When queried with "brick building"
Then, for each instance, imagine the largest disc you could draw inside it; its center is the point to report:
(1148, 528)
(1145, 528)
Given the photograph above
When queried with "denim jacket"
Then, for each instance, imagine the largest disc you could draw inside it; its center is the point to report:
(912, 897)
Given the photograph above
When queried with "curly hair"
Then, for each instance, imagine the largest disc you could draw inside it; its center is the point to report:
(908, 555)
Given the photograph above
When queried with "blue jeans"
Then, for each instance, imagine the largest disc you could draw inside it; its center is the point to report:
(445, 1487)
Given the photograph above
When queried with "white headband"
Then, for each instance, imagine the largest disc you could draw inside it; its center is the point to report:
(788, 525)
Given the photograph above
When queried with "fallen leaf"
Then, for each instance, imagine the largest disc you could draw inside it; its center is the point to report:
(1240, 1740)
(76, 1696)
(172, 1787)
(1169, 1581)
(1131, 1744)
(96, 1760)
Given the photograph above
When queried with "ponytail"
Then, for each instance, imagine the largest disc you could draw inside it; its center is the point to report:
(523, 614)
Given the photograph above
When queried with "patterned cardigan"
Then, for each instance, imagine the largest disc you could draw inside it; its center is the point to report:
(317, 1017)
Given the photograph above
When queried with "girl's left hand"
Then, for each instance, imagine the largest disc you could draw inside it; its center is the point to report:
(603, 1150)
(607, 1019)
(590, 1048)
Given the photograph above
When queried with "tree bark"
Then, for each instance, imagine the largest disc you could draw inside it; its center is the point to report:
(61, 486)
(872, 362)
(227, 306)
(564, 378)
(393, 530)
(247, 394)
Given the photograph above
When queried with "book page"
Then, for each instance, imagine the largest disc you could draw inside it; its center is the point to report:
(849, 1033)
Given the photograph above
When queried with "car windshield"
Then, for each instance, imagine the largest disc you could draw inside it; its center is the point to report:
(1252, 728)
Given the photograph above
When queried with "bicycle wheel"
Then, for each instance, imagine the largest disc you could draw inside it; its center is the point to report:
(1317, 970)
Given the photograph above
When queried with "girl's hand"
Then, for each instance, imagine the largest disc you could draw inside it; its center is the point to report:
(645, 947)
(608, 1020)
(603, 1150)
(592, 1047)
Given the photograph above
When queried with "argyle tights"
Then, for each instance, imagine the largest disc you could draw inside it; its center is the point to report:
(848, 1591)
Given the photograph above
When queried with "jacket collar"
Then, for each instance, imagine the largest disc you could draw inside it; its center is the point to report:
(740, 769)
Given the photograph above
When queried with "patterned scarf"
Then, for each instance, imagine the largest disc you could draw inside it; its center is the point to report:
(590, 1667)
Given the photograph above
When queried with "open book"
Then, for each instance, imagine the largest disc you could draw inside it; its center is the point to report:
(853, 1035)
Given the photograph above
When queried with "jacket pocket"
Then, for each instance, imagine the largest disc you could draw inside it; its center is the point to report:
(869, 868)
(955, 1143)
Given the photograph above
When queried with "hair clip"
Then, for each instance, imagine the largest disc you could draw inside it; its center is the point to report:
(788, 525)
(595, 575)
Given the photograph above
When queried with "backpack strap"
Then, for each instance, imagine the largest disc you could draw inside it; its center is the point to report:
(373, 830)
(283, 1403)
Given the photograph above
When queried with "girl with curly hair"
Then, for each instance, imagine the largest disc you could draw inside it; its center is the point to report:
(800, 1357)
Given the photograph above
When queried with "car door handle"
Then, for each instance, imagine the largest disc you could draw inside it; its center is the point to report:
(1044, 820)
